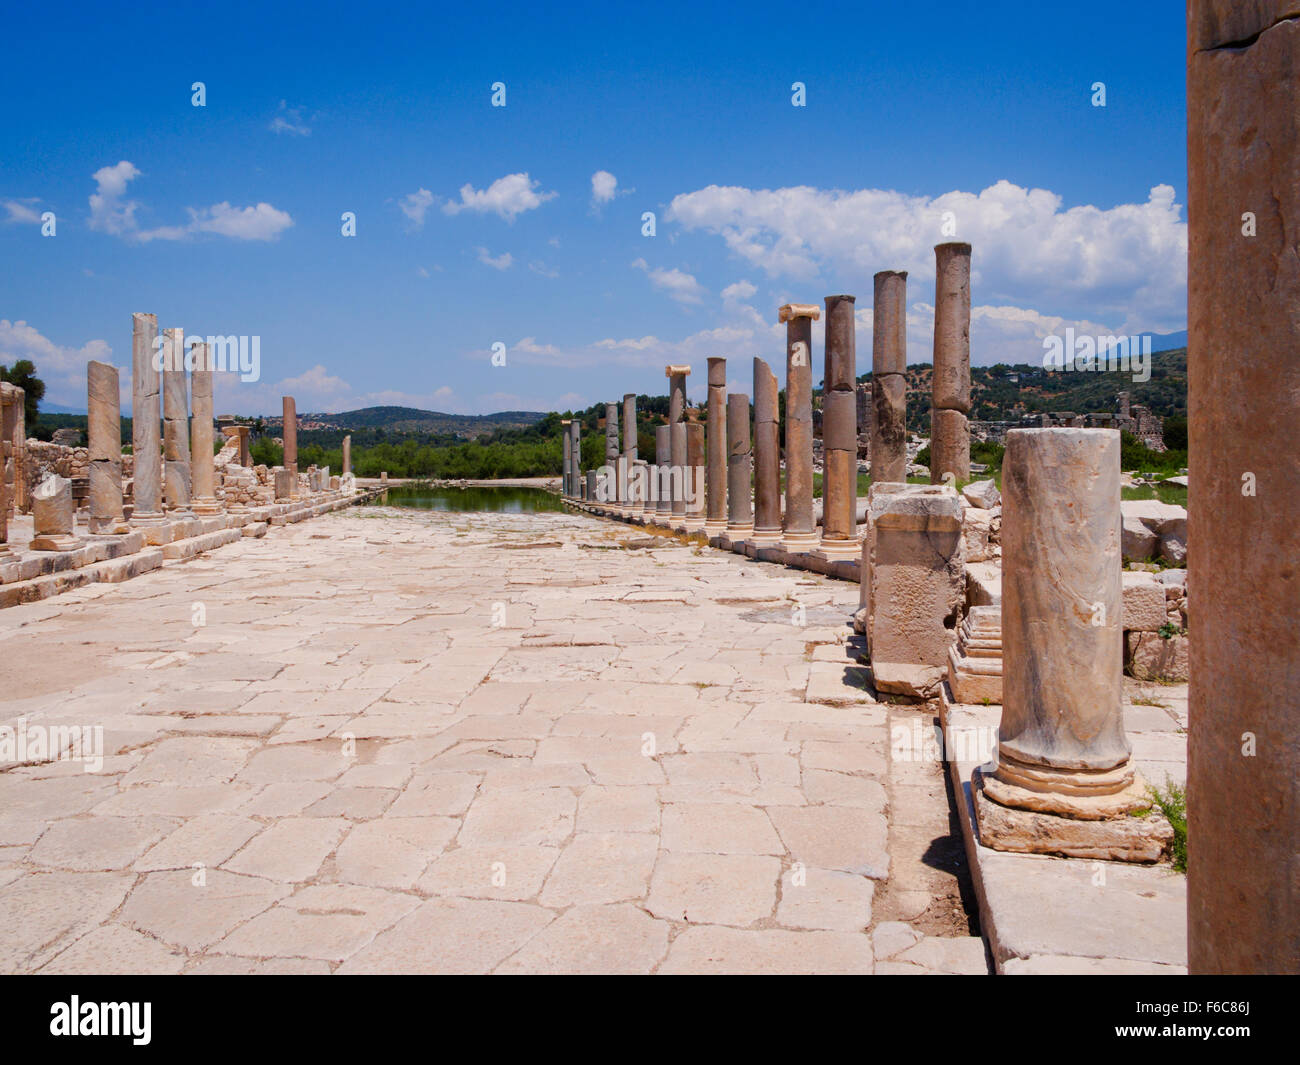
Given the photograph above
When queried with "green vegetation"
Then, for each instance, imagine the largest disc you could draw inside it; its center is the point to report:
(1172, 801)
(24, 376)
(1166, 493)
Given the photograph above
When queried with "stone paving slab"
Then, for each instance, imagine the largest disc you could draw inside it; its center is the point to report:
(401, 741)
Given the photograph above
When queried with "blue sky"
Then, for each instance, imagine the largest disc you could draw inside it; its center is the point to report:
(479, 225)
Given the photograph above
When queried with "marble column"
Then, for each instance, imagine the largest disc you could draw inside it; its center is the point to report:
(53, 516)
(104, 430)
(176, 425)
(146, 442)
(610, 481)
(347, 455)
(950, 381)
(840, 433)
(767, 456)
(663, 472)
(575, 447)
(566, 449)
(740, 511)
(1065, 781)
(633, 503)
(289, 434)
(1243, 744)
(694, 477)
(888, 380)
(202, 433)
(716, 481)
(798, 529)
(676, 411)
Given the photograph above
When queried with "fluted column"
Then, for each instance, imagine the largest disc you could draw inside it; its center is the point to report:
(888, 380)
(767, 456)
(146, 441)
(740, 511)
(798, 529)
(840, 433)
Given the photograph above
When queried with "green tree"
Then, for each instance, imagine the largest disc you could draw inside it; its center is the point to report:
(24, 376)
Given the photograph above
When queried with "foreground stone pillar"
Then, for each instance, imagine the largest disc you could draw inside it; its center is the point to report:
(767, 457)
(950, 381)
(1064, 782)
(676, 411)
(289, 433)
(663, 472)
(176, 424)
(347, 455)
(694, 477)
(53, 515)
(740, 512)
(146, 443)
(716, 477)
(799, 529)
(888, 383)
(1243, 876)
(840, 434)
(104, 431)
(201, 433)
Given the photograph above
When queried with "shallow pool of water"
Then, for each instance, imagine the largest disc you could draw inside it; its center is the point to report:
(501, 499)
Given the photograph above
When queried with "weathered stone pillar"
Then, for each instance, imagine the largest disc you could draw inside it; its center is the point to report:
(888, 383)
(632, 503)
(104, 430)
(575, 459)
(694, 482)
(950, 381)
(289, 434)
(53, 515)
(1243, 876)
(677, 440)
(716, 481)
(13, 400)
(740, 511)
(347, 455)
(680, 474)
(201, 433)
(840, 433)
(663, 471)
(767, 456)
(146, 443)
(1064, 782)
(611, 454)
(589, 487)
(566, 449)
(799, 529)
(176, 424)
(283, 484)
(246, 454)
(4, 510)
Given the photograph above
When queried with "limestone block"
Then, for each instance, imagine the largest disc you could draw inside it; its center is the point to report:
(976, 532)
(1152, 657)
(1137, 542)
(982, 494)
(1144, 602)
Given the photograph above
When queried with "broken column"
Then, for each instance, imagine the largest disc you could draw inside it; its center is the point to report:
(740, 512)
(146, 443)
(694, 482)
(609, 482)
(798, 529)
(888, 380)
(767, 457)
(950, 381)
(1243, 887)
(13, 400)
(677, 440)
(246, 455)
(289, 434)
(1065, 782)
(716, 441)
(347, 455)
(104, 433)
(201, 433)
(283, 484)
(176, 424)
(631, 503)
(840, 434)
(53, 514)
(663, 472)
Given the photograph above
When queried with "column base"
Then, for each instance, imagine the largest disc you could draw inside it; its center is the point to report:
(695, 525)
(207, 506)
(797, 543)
(739, 533)
(54, 542)
(839, 550)
(766, 537)
(119, 527)
(148, 520)
(715, 527)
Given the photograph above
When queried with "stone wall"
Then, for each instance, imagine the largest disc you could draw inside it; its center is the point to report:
(45, 458)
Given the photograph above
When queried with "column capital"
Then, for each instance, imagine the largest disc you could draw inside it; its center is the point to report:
(674, 371)
(799, 310)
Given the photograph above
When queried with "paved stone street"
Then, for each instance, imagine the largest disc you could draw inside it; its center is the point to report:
(387, 740)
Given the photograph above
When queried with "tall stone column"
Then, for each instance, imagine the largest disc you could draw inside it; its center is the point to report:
(176, 424)
(663, 472)
(347, 455)
(1243, 876)
(888, 380)
(202, 434)
(575, 447)
(716, 480)
(104, 429)
(635, 501)
(740, 511)
(767, 456)
(799, 529)
(694, 476)
(146, 442)
(289, 433)
(676, 410)
(611, 488)
(950, 382)
(566, 449)
(840, 433)
(1064, 782)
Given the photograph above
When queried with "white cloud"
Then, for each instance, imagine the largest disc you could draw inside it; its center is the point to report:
(108, 212)
(508, 197)
(501, 262)
(539, 267)
(63, 369)
(22, 211)
(1127, 263)
(415, 205)
(677, 284)
(603, 187)
(740, 292)
(290, 120)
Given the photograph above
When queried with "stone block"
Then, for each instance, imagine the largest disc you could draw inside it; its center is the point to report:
(1144, 602)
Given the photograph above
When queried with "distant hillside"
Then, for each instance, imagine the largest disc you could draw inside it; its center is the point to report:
(412, 420)
(1005, 393)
